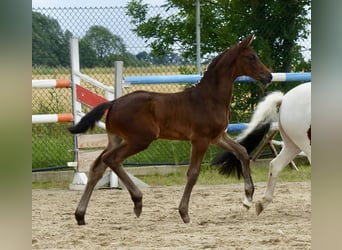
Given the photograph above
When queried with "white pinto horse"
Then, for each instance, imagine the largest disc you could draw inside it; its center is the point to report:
(292, 111)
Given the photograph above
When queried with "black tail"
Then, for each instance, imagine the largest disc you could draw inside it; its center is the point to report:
(228, 163)
(89, 120)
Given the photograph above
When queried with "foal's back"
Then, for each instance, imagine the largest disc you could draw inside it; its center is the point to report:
(176, 116)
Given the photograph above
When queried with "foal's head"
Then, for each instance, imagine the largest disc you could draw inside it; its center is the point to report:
(243, 61)
(249, 64)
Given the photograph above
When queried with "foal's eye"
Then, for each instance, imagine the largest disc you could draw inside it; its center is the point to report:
(252, 58)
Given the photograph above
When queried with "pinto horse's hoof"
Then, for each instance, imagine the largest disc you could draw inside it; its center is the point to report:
(247, 203)
(247, 207)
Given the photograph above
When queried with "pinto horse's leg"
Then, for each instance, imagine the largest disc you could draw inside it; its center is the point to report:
(95, 173)
(240, 152)
(198, 149)
(114, 159)
(286, 155)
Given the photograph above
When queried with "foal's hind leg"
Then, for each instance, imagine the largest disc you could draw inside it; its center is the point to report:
(240, 152)
(114, 159)
(286, 155)
(198, 149)
(95, 173)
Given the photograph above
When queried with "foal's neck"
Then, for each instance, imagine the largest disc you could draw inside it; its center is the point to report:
(218, 85)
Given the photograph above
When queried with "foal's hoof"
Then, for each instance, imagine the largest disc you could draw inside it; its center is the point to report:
(185, 218)
(81, 222)
(259, 208)
(80, 219)
(138, 208)
(184, 215)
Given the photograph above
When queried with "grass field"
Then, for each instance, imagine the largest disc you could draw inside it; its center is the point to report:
(209, 176)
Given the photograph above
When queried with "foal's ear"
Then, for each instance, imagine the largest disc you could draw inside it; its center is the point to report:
(245, 43)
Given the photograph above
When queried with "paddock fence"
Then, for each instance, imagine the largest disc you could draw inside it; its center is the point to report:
(54, 146)
(83, 96)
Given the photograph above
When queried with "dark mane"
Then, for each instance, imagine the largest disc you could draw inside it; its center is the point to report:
(209, 74)
(231, 57)
(216, 59)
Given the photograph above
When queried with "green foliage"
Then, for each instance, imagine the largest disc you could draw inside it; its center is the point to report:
(98, 47)
(50, 45)
(277, 25)
(187, 70)
(101, 48)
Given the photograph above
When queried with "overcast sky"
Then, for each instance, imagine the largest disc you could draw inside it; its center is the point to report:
(86, 3)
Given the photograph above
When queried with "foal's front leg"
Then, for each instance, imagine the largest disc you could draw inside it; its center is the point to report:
(198, 149)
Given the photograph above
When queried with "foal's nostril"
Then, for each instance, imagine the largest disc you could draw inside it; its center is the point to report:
(266, 78)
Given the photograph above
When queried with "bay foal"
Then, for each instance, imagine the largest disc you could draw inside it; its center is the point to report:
(199, 114)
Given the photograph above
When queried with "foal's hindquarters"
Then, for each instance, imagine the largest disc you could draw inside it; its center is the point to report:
(112, 156)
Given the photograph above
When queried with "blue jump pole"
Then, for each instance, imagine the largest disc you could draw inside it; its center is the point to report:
(277, 77)
(235, 127)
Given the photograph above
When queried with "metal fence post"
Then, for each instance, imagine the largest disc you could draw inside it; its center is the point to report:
(198, 38)
(118, 78)
(75, 66)
(113, 178)
(80, 179)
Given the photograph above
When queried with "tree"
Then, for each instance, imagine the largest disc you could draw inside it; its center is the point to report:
(144, 57)
(277, 24)
(99, 47)
(50, 45)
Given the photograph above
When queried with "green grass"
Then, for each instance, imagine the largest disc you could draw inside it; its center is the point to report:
(161, 151)
(208, 176)
(51, 149)
(51, 185)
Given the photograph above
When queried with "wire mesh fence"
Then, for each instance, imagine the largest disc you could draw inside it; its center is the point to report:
(52, 145)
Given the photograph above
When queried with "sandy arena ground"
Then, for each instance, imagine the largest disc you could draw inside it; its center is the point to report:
(218, 220)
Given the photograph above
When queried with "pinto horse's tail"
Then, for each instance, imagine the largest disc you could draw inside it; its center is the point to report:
(89, 120)
(265, 114)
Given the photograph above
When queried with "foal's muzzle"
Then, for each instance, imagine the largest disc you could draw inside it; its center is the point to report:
(266, 78)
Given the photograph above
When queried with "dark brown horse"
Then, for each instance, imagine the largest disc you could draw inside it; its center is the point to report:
(199, 114)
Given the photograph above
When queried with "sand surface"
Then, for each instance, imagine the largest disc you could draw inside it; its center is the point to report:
(218, 219)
